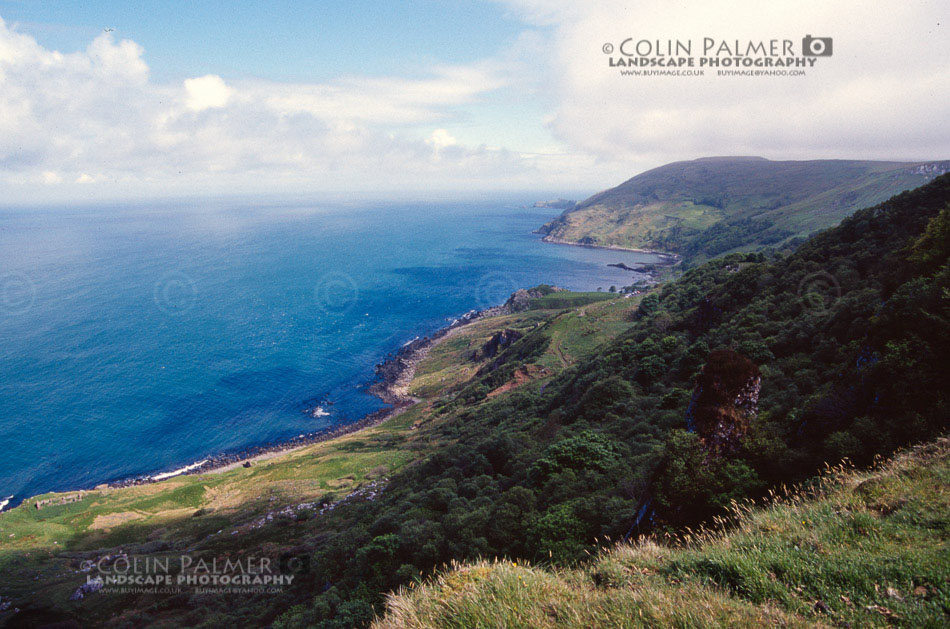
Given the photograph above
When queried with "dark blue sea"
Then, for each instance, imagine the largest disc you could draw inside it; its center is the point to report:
(136, 340)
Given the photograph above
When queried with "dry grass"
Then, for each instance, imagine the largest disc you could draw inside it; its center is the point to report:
(855, 548)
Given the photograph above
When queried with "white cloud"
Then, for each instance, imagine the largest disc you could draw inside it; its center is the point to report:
(885, 93)
(65, 116)
(207, 92)
(441, 138)
(97, 118)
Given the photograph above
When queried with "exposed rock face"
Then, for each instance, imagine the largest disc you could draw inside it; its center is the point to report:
(725, 401)
(933, 169)
(521, 299)
(497, 343)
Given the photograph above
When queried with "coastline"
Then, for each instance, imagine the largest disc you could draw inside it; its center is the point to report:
(668, 259)
(393, 377)
(391, 385)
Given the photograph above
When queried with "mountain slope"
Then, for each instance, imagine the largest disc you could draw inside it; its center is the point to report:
(710, 206)
(860, 549)
(545, 430)
(849, 335)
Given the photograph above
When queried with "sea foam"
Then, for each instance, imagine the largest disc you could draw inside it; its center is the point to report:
(179, 471)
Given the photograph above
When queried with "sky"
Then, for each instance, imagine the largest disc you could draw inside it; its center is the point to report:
(117, 100)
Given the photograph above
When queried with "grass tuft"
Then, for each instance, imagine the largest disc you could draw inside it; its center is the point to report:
(854, 548)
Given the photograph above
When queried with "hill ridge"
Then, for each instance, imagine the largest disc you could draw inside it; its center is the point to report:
(709, 206)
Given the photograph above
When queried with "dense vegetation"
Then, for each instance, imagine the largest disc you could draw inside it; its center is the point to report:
(857, 549)
(708, 207)
(850, 334)
(747, 372)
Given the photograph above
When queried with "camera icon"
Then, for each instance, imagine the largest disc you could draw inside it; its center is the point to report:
(816, 46)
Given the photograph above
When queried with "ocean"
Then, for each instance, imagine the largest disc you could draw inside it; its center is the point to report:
(139, 339)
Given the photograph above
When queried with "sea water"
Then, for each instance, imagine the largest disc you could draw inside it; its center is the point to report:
(141, 339)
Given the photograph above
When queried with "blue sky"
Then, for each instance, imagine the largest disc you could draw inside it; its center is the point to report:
(102, 100)
(292, 41)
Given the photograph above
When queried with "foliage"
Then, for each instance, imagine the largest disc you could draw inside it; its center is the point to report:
(858, 372)
(860, 549)
(849, 335)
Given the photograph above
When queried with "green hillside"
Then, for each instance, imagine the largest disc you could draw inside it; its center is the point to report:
(858, 549)
(707, 207)
(742, 375)
(584, 417)
(276, 507)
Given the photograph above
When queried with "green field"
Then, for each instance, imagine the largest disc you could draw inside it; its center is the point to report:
(41, 545)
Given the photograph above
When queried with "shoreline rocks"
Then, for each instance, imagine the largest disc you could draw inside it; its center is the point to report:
(395, 373)
(391, 385)
(393, 377)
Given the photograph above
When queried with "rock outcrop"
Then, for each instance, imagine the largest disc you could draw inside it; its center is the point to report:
(496, 344)
(725, 401)
(521, 299)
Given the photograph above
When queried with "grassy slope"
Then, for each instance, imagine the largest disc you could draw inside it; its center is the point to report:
(39, 549)
(580, 323)
(669, 207)
(859, 548)
(113, 516)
